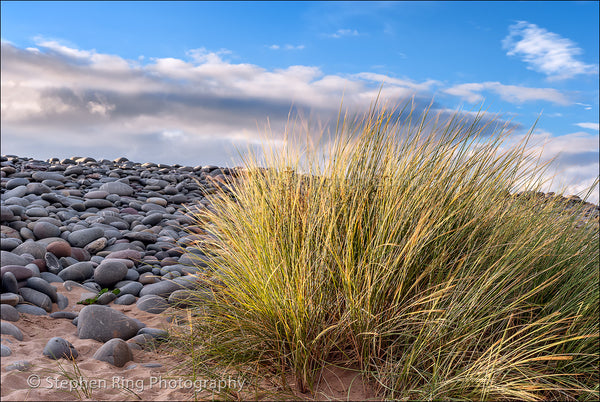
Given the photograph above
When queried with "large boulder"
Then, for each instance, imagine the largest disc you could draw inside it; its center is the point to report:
(103, 323)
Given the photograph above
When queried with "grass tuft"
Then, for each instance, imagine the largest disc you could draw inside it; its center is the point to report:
(400, 249)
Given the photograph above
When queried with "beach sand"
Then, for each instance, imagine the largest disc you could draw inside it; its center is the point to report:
(46, 381)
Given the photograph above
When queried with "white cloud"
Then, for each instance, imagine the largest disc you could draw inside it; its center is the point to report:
(286, 47)
(61, 101)
(575, 164)
(591, 126)
(67, 93)
(343, 32)
(381, 78)
(471, 92)
(545, 51)
(585, 105)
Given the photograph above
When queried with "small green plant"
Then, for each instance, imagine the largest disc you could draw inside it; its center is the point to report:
(400, 249)
(93, 300)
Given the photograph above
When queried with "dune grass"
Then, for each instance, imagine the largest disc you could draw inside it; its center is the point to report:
(399, 252)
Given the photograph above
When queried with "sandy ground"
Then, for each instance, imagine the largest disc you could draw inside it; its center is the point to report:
(49, 379)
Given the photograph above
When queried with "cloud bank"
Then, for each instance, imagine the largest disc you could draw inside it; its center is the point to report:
(56, 98)
(59, 101)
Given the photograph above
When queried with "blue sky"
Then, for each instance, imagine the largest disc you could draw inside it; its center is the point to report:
(186, 82)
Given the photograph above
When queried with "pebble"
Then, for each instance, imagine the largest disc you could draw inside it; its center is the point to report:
(132, 288)
(155, 332)
(53, 264)
(83, 237)
(50, 277)
(186, 298)
(62, 301)
(103, 323)
(64, 314)
(109, 273)
(126, 299)
(79, 272)
(9, 283)
(10, 258)
(9, 313)
(43, 230)
(20, 273)
(152, 304)
(36, 298)
(59, 248)
(58, 347)
(117, 188)
(116, 352)
(6, 351)
(21, 365)
(162, 288)
(41, 285)
(29, 309)
(12, 299)
(6, 328)
(37, 250)
(143, 340)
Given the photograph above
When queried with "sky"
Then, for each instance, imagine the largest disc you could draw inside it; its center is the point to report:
(196, 83)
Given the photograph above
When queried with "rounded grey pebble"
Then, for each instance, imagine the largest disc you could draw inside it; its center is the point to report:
(92, 286)
(162, 288)
(41, 285)
(43, 230)
(70, 315)
(9, 283)
(106, 298)
(6, 351)
(9, 313)
(37, 298)
(9, 243)
(117, 188)
(11, 258)
(12, 299)
(186, 298)
(116, 352)
(131, 366)
(70, 284)
(79, 271)
(21, 365)
(132, 275)
(6, 328)
(143, 340)
(63, 301)
(83, 237)
(152, 304)
(132, 288)
(155, 332)
(57, 348)
(50, 277)
(148, 278)
(126, 299)
(109, 272)
(37, 250)
(29, 309)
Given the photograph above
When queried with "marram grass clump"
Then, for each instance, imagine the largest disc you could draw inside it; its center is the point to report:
(400, 252)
